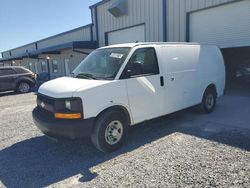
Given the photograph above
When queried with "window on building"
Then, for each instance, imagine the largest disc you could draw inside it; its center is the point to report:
(143, 62)
(54, 66)
(43, 66)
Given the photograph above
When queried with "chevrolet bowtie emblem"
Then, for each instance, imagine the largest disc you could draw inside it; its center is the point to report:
(42, 104)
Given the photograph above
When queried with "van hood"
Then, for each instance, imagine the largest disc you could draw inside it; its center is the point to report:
(66, 86)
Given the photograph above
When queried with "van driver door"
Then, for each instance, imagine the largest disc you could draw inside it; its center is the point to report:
(145, 85)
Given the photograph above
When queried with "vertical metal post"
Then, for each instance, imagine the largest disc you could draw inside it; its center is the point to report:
(48, 68)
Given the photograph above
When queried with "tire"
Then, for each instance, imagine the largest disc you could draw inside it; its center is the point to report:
(208, 101)
(23, 87)
(110, 131)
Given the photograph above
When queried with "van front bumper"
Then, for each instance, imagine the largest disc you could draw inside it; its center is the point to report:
(59, 128)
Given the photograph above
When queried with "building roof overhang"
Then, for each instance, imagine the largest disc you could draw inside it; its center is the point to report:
(56, 49)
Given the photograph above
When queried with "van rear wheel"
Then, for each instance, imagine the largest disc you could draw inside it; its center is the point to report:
(208, 101)
(110, 131)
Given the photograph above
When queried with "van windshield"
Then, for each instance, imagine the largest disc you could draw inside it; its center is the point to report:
(101, 64)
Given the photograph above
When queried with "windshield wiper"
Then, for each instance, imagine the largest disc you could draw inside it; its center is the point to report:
(108, 77)
(86, 75)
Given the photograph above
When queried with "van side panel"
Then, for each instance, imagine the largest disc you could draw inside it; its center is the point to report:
(180, 75)
(188, 71)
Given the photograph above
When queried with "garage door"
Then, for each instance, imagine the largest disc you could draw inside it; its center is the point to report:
(131, 34)
(226, 25)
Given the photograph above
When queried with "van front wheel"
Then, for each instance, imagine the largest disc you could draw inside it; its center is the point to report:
(208, 102)
(110, 131)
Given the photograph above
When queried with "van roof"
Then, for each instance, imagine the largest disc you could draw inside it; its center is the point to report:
(131, 45)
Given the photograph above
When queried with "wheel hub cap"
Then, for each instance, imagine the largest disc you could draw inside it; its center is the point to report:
(24, 87)
(210, 101)
(114, 132)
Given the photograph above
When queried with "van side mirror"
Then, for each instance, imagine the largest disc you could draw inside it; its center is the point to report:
(135, 68)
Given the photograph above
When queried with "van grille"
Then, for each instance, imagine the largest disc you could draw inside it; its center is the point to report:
(45, 103)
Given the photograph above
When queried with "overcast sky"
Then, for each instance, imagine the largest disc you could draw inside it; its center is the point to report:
(25, 21)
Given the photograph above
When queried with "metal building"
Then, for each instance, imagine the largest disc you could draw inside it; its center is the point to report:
(58, 54)
(221, 22)
(138, 20)
(225, 23)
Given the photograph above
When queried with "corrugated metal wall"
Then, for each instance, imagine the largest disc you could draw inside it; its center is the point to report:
(177, 15)
(139, 11)
(93, 17)
(83, 34)
(35, 65)
(28, 48)
(5, 54)
(80, 34)
(229, 25)
(20, 50)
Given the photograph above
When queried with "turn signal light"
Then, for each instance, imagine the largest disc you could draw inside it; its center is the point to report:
(68, 116)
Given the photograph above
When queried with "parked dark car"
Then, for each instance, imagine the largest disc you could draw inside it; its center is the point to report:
(16, 78)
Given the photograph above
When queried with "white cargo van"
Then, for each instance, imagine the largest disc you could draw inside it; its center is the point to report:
(122, 85)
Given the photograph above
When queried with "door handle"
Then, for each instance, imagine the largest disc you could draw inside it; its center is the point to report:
(172, 78)
(162, 80)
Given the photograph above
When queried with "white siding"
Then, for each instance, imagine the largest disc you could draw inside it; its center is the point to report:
(139, 11)
(177, 16)
(82, 34)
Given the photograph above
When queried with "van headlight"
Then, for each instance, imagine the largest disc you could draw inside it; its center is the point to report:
(70, 108)
(68, 105)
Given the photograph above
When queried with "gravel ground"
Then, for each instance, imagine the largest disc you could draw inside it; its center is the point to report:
(184, 149)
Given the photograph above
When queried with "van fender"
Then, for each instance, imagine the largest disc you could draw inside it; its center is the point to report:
(119, 107)
(208, 85)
